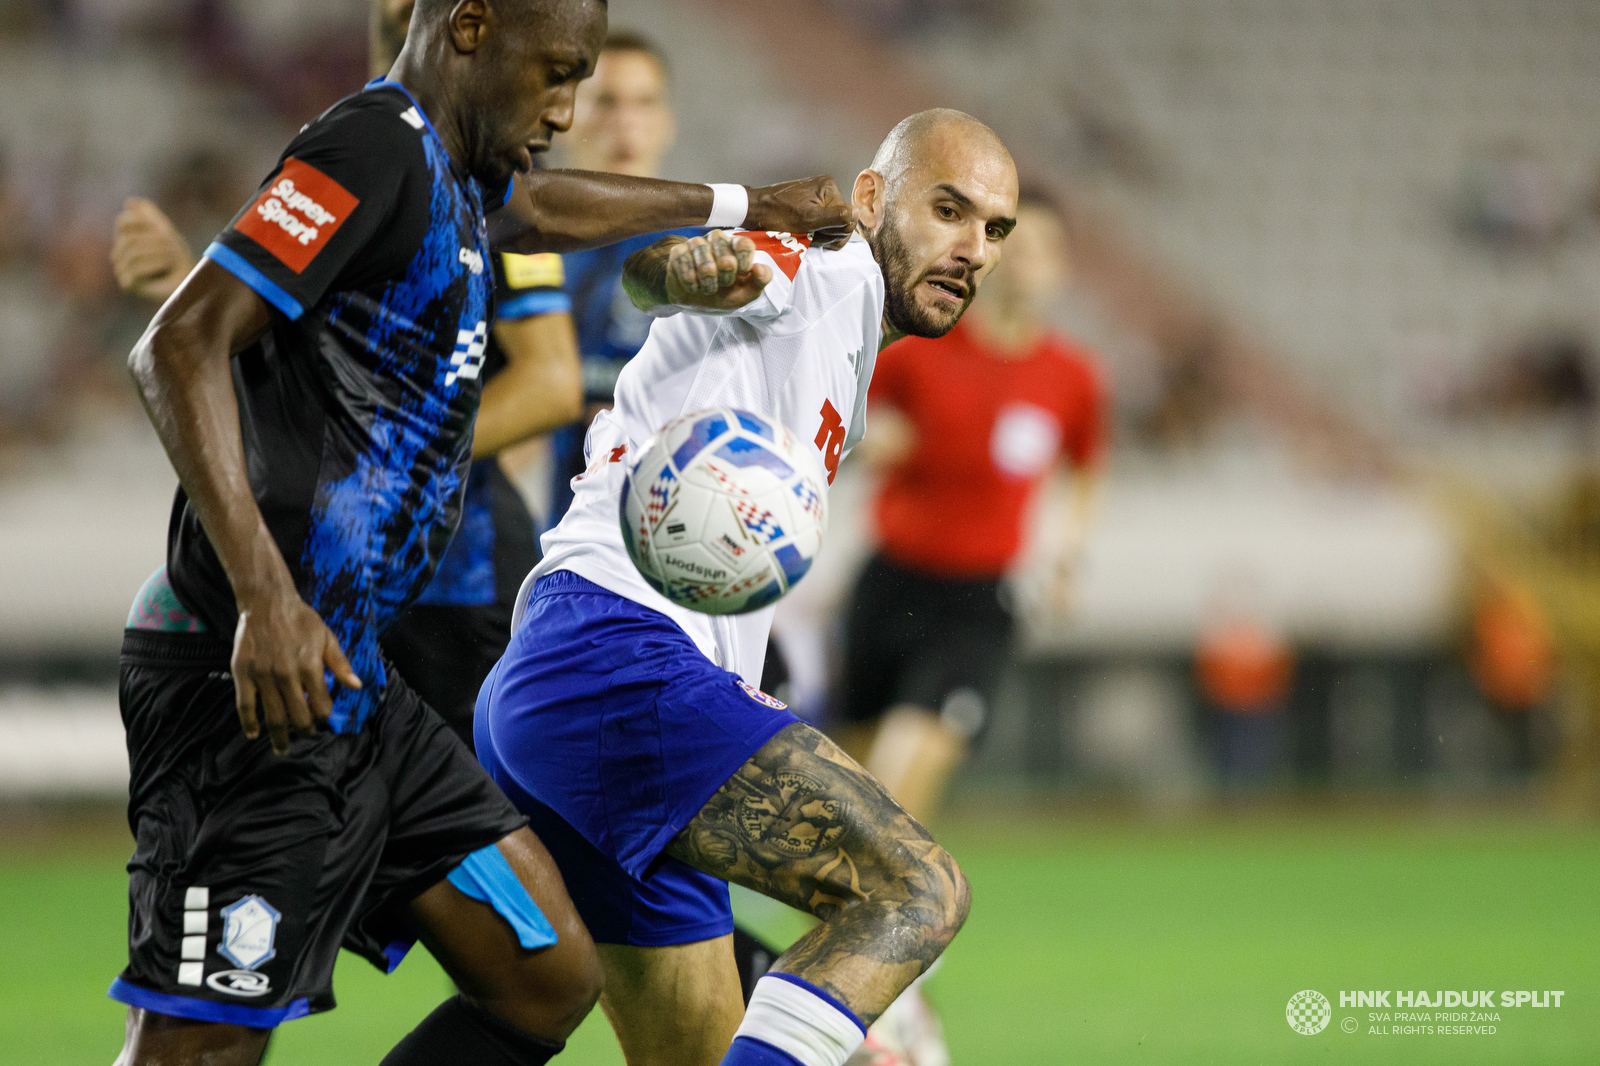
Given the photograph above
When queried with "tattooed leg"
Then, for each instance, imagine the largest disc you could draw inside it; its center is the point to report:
(802, 823)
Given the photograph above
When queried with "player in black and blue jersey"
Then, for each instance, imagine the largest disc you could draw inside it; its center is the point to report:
(314, 382)
(446, 643)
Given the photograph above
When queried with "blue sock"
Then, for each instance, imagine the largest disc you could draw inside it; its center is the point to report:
(748, 1052)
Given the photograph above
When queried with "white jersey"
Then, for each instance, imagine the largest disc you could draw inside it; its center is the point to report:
(801, 353)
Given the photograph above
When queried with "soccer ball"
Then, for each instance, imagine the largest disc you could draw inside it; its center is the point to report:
(723, 511)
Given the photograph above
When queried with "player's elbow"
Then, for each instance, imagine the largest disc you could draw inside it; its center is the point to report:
(146, 363)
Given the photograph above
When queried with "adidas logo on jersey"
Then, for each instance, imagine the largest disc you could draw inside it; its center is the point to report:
(473, 259)
(412, 117)
(467, 360)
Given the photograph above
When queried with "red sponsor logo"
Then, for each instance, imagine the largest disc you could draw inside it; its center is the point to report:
(785, 248)
(296, 216)
(830, 438)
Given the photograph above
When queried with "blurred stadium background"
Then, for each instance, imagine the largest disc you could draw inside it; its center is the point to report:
(1342, 262)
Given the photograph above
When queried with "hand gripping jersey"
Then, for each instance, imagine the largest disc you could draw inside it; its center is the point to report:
(357, 404)
(801, 353)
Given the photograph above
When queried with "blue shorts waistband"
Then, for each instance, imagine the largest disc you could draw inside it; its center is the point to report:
(558, 582)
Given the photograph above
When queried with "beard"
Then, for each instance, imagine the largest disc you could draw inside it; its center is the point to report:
(900, 281)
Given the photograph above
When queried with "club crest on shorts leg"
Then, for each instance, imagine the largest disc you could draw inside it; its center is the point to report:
(249, 932)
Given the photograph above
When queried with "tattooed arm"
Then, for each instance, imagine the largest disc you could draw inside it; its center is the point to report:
(802, 823)
(716, 272)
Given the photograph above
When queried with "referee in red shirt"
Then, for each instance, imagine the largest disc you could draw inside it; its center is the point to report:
(967, 429)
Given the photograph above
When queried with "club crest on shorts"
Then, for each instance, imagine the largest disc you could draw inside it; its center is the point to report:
(761, 697)
(249, 928)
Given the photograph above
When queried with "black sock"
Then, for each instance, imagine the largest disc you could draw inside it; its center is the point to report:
(462, 1032)
(754, 957)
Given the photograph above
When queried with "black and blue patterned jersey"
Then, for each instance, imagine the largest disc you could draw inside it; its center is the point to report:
(496, 544)
(356, 406)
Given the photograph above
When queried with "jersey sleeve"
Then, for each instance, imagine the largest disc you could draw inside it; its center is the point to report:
(780, 253)
(529, 285)
(328, 208)
(1085, 418)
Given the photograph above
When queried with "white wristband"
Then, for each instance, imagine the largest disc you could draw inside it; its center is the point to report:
(729, 205)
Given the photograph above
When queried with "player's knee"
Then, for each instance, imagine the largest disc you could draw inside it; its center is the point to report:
(564, 997)
(946, 897)
(549, 992)
(588, 981)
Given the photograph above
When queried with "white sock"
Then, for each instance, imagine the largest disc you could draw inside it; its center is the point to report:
(802, 1021)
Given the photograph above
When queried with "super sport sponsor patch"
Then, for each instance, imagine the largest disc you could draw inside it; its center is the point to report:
(759, 696)
(296, 216)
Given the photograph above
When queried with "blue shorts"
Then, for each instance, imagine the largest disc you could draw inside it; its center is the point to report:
(609, 728)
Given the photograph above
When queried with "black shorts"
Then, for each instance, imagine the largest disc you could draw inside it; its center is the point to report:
(444, 652)
(251, 870)
(927, 641)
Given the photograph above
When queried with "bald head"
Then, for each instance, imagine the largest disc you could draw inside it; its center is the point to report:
(937, 132)
(936, 204)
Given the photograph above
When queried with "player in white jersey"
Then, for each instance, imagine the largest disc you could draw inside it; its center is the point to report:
(631, 731)
(801, 353)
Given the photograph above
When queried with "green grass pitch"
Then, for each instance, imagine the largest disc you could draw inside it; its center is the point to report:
(1090, 941)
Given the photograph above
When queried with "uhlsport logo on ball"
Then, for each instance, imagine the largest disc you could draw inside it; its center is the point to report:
(723, 510)
(1309, 1012)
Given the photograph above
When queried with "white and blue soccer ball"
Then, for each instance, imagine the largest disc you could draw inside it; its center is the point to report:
(723, 511)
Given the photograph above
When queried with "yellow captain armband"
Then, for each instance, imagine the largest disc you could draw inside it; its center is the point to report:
(533, 271)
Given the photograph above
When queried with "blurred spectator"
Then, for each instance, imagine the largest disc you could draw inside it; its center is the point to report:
(1510, 198)
(907, 18)
(1545, 372)
(1511, 655)
(200, 191)
(152, 250)
(1577, 525)
(1192, 395)
(18, 239)
(1245, 670)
